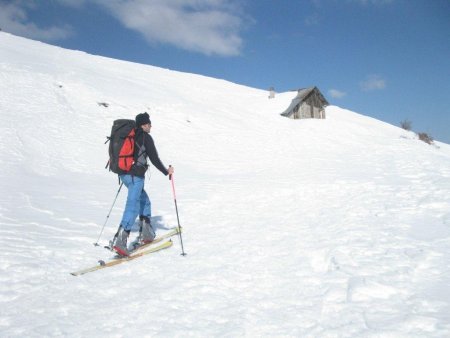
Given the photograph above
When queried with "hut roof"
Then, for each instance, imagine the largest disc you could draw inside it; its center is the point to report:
(302, 95)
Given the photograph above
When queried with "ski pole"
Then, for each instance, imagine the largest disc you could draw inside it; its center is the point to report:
(178, 218)
(109, 213)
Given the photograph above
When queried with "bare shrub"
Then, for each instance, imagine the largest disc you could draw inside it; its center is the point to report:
(406, 125)
(425, 138)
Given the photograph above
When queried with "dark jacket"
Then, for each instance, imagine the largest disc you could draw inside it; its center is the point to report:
(145, 147)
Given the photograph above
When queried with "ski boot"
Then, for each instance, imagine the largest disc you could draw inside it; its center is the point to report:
(120, 242)
(146, 232)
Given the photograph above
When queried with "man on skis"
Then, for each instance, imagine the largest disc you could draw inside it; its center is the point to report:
(138, 202)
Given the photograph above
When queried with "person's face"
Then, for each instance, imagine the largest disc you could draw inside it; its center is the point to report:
(147, 127)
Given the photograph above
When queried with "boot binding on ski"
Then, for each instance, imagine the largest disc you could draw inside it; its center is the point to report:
(120, 252)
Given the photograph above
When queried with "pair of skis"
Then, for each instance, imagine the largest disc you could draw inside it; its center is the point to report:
(139, 251)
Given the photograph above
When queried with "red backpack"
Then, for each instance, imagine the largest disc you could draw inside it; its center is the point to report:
(121, 147)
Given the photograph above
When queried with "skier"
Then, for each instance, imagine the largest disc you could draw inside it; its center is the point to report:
(138, 202)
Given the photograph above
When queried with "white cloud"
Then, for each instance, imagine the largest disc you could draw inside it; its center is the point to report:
(337, 94)
(373, 82)
(14, 19)
(205, 26)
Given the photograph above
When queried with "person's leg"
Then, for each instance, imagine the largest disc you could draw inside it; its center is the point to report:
(147, 234)
(145, 209)
(134, 186)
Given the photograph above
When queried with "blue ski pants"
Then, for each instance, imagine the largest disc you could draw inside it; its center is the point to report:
(138, 202)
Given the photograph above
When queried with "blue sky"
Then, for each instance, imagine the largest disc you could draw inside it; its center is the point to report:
(389, 59)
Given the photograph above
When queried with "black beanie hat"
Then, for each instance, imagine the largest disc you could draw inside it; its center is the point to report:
(142, 119)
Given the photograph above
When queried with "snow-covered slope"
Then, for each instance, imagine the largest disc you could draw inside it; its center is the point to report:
(311, 228)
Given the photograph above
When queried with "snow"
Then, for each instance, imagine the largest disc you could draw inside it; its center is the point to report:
(307, 228)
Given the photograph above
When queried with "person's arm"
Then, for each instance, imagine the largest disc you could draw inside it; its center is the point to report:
(152, 154)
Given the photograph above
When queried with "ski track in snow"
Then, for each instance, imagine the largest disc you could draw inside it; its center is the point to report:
(315, 228)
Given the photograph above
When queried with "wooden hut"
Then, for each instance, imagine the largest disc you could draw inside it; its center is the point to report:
(309, 103)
